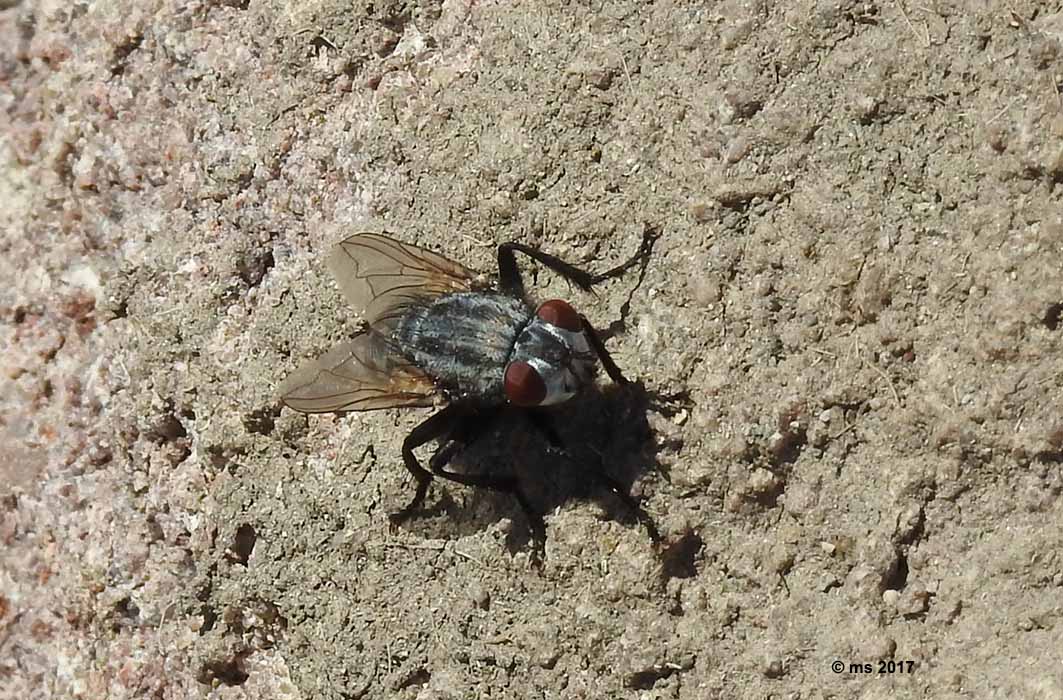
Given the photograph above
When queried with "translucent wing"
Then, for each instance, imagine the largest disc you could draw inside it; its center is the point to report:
(360, 374)
(381, 277)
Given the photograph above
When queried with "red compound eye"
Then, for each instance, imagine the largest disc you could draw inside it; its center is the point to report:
(560, 314)
(523, 385)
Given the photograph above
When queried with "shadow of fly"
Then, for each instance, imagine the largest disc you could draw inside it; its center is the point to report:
(436, 333)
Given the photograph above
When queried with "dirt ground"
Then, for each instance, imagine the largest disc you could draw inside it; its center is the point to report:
(848, 424)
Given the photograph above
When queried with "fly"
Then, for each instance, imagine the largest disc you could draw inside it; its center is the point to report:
(436, 333)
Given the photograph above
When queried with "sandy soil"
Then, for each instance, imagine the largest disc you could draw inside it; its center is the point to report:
(849, 422)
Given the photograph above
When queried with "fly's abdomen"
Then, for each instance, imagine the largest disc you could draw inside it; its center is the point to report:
(463, 341)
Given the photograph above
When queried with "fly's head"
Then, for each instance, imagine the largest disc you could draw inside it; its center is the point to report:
(552, 358)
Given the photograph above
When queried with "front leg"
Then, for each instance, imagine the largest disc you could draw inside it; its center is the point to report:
(603, 355)
(509, 274)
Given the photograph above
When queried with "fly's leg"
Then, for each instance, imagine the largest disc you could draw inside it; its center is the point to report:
(649, 237)
(603, 355)
(461, 428)
(630, 503)
(509, 279)
(436, 426)
(545, 426)
(503, 484)
(541, 422)
(468, 430)
(470, 427)
(509, 275)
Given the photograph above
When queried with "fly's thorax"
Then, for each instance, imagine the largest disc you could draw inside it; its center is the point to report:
(549, 364)
(463, 341)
